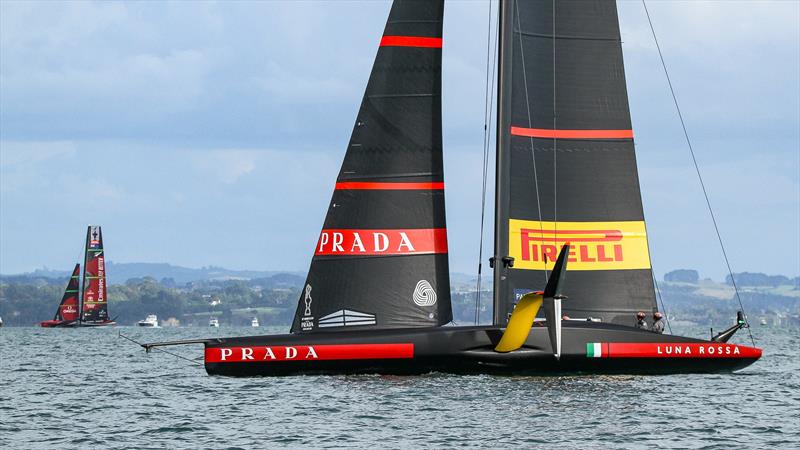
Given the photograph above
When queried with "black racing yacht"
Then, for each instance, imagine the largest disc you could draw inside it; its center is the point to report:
(571, 264)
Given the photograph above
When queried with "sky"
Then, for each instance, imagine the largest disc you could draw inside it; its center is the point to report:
(206, 133)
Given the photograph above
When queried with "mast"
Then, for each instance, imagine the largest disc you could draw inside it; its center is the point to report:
(83, 275)
(503, 162)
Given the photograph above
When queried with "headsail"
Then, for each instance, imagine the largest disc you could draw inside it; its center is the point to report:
(68, 308)
(381, 258)
(95, 301)
(566, 163)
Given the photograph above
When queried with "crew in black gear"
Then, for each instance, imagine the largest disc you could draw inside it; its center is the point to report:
(658, 323)
(640, 322)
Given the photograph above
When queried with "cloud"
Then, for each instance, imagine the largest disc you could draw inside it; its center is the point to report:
(239, 113)
(226, 166)
(17, 153)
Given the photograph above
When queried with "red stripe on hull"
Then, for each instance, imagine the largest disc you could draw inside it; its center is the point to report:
(411, 41)
(678, 350)
(279, 353)
(348, 185)
(571, 134)
(382, 242)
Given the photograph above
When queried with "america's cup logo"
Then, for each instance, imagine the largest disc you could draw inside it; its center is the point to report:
(307, 321)
(308, 301)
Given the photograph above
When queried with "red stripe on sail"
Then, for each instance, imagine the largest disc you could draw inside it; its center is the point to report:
(280, 353)
(411, 41)
(679, 350)
(382, 242)
(348, 185)
(571, 134)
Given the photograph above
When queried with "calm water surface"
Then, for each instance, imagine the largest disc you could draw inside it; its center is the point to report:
(88, 387)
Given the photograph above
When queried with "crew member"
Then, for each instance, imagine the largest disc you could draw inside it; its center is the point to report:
(658, 323)
(640, 322)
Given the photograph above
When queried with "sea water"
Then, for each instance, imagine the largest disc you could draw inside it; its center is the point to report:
(75, 388)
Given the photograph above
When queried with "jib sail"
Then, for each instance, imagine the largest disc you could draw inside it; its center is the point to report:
(566, 163)
(68, 308)
(95, 303)
(381, 258)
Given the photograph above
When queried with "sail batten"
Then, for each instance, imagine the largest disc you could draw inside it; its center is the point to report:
(381, 259)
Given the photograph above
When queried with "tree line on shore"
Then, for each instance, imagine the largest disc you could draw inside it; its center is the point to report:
(25, 301)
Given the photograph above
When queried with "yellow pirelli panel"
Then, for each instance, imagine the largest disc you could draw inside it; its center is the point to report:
(593, 245)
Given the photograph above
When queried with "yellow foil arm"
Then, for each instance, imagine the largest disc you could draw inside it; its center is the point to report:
(520, 323)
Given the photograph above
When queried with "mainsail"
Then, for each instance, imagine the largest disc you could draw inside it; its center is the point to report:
(566, 168)
(381, 258)
(95, 303)
(68, 308)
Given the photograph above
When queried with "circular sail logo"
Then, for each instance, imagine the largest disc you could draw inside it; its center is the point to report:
(424, 295)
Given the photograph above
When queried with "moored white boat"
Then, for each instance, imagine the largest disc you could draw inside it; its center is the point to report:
(213, 322)
(151, 321)
(254, 323)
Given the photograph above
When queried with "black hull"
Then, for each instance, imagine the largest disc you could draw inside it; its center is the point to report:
(469, 350)
(97, 324)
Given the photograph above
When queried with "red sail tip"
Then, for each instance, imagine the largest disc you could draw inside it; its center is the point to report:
(436, 186)
(571, 134)
(411, 41)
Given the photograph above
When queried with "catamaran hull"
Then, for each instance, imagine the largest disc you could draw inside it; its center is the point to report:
(586, 348)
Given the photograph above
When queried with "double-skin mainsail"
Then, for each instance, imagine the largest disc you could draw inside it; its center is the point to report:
(566, 167)
(94, 310)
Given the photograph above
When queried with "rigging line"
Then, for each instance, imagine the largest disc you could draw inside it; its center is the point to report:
(194, 362)
(530, 125)
(487, 120)
(697, 169)
(555, 127)
(661, 299)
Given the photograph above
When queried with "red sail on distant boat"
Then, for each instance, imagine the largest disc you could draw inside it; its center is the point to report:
(94, 306)
(67, 312)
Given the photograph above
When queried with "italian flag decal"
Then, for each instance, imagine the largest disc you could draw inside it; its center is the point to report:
(594, 350)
